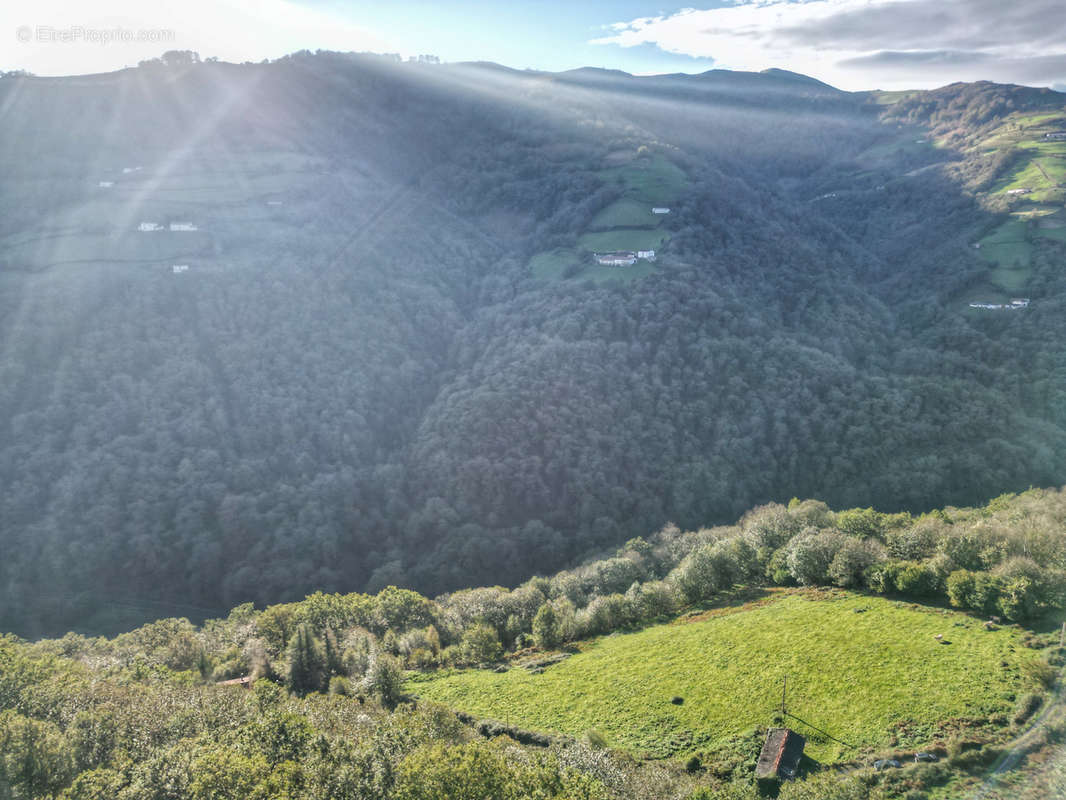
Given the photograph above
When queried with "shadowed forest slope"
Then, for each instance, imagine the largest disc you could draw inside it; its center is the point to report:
(368, 343)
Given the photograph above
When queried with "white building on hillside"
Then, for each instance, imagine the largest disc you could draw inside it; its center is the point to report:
(106, 184)
(182, 226)
(180, 268)
(649, 255)
(621, 258)
(660, 210)
(150, 226)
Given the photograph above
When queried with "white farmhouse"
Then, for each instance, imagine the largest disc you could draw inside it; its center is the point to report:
(106, 184)
(149, 226)
(646, 254)
(660, 210)
(182, 226)
(180, 268)
(619, 258)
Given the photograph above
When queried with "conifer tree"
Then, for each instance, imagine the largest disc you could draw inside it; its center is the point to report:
(307, 662)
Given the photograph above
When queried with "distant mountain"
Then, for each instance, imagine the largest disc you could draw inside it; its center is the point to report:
(386, 354)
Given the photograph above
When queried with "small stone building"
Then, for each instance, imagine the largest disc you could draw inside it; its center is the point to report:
(780, 757)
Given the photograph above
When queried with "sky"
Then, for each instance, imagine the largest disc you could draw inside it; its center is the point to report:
(852, 44)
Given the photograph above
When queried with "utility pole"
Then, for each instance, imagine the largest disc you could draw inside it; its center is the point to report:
(784, 690)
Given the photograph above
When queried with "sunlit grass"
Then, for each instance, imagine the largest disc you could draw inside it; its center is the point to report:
(855, 665)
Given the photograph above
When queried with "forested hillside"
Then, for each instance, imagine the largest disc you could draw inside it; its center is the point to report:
(369, 345)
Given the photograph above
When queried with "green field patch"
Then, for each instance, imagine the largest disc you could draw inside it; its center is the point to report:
(1009, 250)
(856, 666)
(626, 213)
(623, 239)
(652, 180)
(1011, 279)
(1026, 176)
(1043, 120)
(1011, 231)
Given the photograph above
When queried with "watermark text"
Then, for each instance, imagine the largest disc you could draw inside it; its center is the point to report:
(78, 34)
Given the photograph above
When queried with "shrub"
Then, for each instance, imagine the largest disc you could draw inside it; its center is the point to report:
(384, 678)
(652, 600)
(914, 579)
(480, 644)
(714, 568)
(777, 569)
(768, 527)
(593, 738)
(547, 633)
(340, 685)
(1039, 673)
(606, 614)
(915, 542)
(960, 586)
(860, 523)
(811, 553)
(1026, 706)
(853, 559)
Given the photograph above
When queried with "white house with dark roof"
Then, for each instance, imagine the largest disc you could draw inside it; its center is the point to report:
(619, 258)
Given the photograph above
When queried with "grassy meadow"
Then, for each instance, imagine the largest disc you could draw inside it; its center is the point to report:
(622, 239)
(626, 213)
(650, 179)
(859, 670)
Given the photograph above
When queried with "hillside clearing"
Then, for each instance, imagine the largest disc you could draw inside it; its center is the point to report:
(652, 180)
(626, 213)
(622, 239)
(563, 263)
(856, 666)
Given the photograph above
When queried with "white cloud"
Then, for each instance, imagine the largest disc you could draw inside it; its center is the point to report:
(864, 44)
(233, 30)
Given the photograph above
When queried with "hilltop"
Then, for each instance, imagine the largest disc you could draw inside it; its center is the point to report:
(385, 354)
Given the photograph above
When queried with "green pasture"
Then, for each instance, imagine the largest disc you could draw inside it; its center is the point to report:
(858, 667)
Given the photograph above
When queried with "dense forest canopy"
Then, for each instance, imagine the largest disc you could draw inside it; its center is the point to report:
(390, 360)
